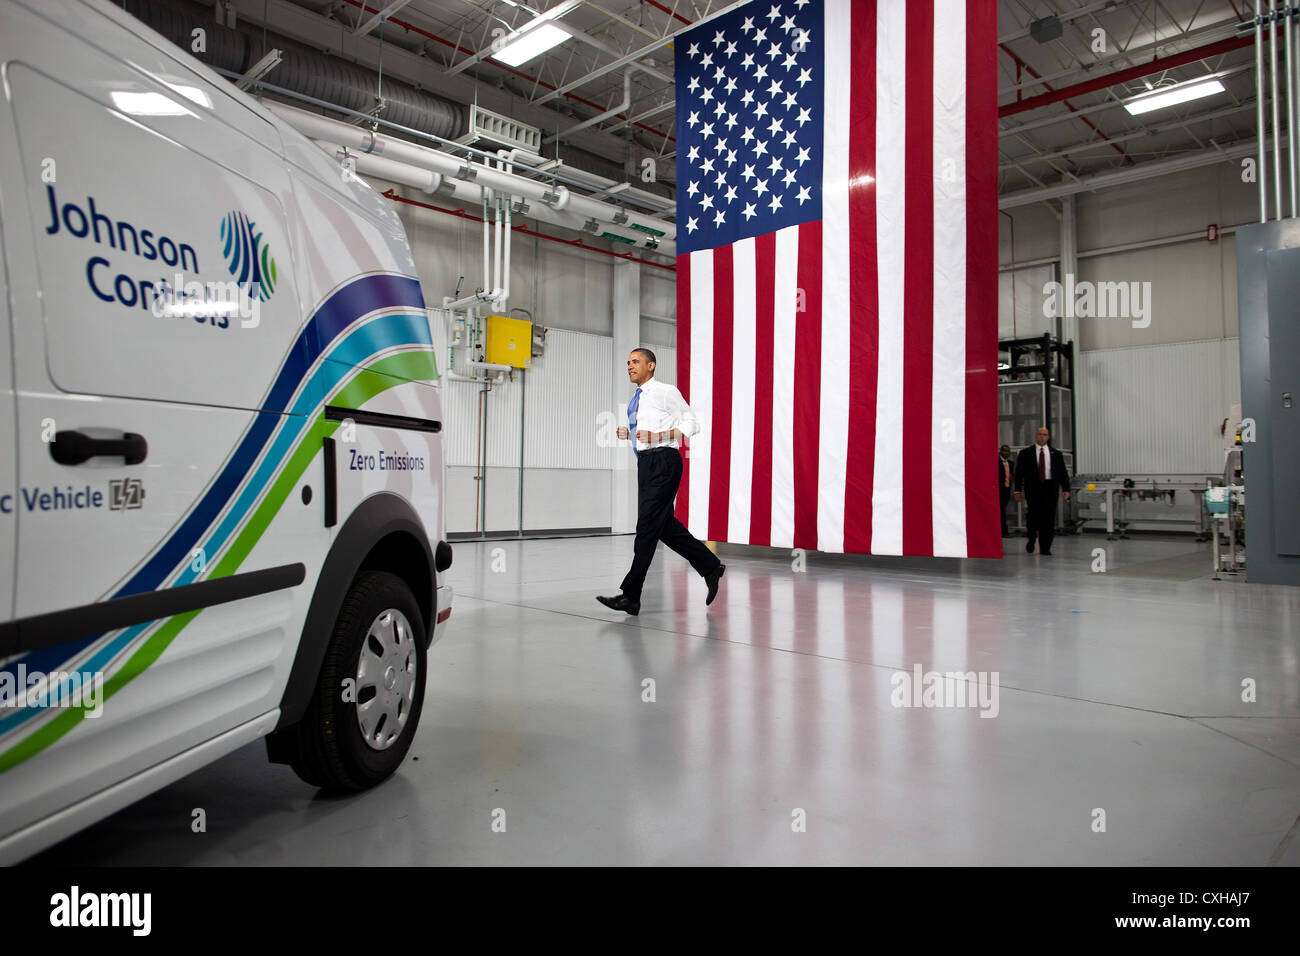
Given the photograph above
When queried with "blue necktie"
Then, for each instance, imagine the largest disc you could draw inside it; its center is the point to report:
(631, 419)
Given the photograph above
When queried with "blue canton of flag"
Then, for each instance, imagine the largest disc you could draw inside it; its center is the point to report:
(749, 108)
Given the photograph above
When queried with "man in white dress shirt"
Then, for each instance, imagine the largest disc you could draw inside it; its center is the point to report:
(658, 418)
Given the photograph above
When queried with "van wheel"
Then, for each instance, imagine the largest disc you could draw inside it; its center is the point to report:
(368, 697)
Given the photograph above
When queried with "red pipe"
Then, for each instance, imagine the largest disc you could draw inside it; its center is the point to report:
(462, 214)
(501, 66)
(675, 16)
(1089, 123)
(1123, 76)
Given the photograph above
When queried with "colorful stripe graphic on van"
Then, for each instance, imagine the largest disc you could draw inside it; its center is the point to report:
(345, 334)
(248, 257)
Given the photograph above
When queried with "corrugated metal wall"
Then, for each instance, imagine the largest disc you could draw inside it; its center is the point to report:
(568, 392)
(1157, 409)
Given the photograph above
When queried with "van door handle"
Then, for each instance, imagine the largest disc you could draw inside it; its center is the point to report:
(72, 448)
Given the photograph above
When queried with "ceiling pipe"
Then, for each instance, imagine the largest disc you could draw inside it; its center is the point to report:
(600, 118)
(1123, 76)
(483, 174)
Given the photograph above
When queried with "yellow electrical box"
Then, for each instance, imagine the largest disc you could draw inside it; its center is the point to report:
(509, 341)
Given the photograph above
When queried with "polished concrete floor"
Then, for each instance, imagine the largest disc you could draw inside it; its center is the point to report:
(773, 737)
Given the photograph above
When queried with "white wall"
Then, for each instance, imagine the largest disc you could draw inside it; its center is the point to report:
(1152, 398)
(563, 405)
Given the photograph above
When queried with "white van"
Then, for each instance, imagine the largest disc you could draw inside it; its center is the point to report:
(221, 470)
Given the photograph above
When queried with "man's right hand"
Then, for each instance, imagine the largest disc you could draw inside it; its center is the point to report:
(623, 433)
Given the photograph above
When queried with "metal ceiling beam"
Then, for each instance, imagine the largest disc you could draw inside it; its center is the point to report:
(1063, 17)
(1123, 76)
(1130, 174)
(380, 17)
(635, 54)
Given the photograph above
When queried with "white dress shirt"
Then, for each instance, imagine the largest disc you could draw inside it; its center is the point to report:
(662, 409)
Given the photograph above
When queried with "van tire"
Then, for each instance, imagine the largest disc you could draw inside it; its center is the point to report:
(328, 748)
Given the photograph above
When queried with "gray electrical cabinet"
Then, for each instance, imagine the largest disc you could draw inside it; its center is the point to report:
(1268, 310)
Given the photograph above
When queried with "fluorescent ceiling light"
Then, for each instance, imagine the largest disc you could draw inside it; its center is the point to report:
(520, 47)
(1172, 97)
(147, 104)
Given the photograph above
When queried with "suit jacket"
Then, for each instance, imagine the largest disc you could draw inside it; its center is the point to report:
(1011, 463)
(1026, 474)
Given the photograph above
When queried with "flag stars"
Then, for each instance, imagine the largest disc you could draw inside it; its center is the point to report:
(749, 212)
(760, 187)
(748, 61)
(694, 51)
(760, 37)
(706, 95)
(747, 98)
(747, 175)
(789, 139)
(706, 166)
(692, 119)
(775, 204)
(693, 155)
(803, 157)
(706, 130)
(775, 166)
(789, 177)
(788, 25)
(760, 148)
(790, 100)
(801, 40)
(720, 109)
(773, 51)
(706, 60)
(731, 84)
(692, 224)
(774, 13)
(706, 202)
(693, 84)
(760, 109)
(719, 75)
(747, 135)
(731, 120)
(731, 194)
(719, 38)
(774, 126)
(748, 25)
(761, 72)
(775, 88)
(720, 146)
(730, 50)
(720, 218)
(805, 76)
(803, 196)
(721, 180)
(731, 157)
(805, 116)
(692, 188)
(790, 61)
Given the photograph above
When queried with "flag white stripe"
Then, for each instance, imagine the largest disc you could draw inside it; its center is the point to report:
(701, 399)
(744, 347)
(948, 389)
(784, 292)
(891, 184)
(836, 313)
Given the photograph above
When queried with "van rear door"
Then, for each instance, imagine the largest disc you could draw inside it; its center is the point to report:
(8, 472)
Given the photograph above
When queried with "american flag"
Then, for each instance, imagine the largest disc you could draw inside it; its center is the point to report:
(836, 275)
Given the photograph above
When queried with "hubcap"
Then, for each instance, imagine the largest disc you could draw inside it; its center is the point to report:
(386, 679)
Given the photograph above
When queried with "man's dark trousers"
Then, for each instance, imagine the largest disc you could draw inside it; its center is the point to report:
(1040, 513)
(658, 474)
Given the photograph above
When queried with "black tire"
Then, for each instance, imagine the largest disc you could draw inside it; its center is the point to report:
(329, 749)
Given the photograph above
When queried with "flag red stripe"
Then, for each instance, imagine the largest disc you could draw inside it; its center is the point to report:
(864, 328)
(682, 508)
(723, 346)
(983, 532)
(760, 513)
(918, 303)
(807, 384)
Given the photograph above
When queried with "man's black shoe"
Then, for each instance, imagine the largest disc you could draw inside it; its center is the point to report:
(1048, 553)
(620, 603)
(1029, 548)
(712, 581)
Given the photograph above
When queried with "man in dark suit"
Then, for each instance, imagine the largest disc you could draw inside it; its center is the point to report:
(1006, 476)
(1040, 474)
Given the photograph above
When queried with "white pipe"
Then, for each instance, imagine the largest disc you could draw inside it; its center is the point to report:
(1289, 26)
(487, 273)
(1273, 54)
(622, 107)
(1259, 109)
(363, 141)
(498, 224)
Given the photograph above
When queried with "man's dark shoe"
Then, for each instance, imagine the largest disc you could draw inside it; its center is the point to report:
(620, 603)
(1048, 553)
(1029, 548)
(712, 581)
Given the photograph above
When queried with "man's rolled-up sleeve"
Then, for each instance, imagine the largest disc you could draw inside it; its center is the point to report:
(682, 415)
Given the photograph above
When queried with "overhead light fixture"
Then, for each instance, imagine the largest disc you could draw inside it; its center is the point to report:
(1172, 97)
(521, 46)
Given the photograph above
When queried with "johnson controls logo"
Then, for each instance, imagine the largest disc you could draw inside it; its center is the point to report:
(248, 257)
